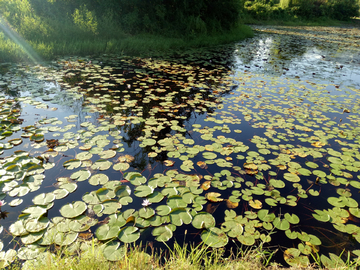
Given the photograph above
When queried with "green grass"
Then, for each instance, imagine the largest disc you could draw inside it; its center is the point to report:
(72, 43)
(186, 257)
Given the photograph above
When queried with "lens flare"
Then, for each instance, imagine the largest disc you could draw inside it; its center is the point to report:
(16, 38)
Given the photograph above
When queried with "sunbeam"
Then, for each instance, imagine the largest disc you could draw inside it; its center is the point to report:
(16, 38)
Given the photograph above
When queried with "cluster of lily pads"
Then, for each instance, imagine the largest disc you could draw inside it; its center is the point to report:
(263, 148)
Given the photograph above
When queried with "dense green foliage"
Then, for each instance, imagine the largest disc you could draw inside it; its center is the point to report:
(63, 27)
(301, 9)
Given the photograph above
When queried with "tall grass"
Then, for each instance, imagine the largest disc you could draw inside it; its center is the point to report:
(185, 257)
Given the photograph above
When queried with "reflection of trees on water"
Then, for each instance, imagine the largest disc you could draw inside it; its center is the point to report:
(147, 102)
(271, 52)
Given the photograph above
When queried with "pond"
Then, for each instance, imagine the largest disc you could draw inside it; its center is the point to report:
(239, 145)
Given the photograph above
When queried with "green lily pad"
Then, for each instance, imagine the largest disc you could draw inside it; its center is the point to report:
(281, 224)
(65, 239)
(264, 215)
(214, 237)
(81, 175)
(72, 210)
(83, 156)
(180, 216)
(162, 233)
(107, 232)
(98, 179)
(143, 191)
(292, 218)
(113, 251)
(44, 199)
(203, 220)
(292, 177)
(36, 225)
(72, 164)
(129, 234)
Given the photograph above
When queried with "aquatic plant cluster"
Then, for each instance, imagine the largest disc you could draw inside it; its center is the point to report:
(156, 146)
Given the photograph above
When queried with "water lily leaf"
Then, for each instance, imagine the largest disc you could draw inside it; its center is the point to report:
(163, 210)
(314, 192)
(107, 232)
(304, 171)
(83, 156)
(143, 191)
(121, 166)
(176, 202)
(169, 163)
(110, 207)
(319, 173)
(135, 178)
(209, 155)
(291, 177)
(113, 251)
(277, 183)
(44, 199)
(332, 263)
(81, 175)
(246, 239)
(321, 215)
(60, 193)
(72, 164)
(281, 224)
(16, 202)
(107, 154)
(35, 211)
(70, 187)
(336, 201)
(213, 197)
(29, 252)
(101, 165)
(17, 228)
(31, 237)
(65, 239)
(37, 137)
(162, 233)
(36, 225)
(203, 220)
(291, 235)
(232, 203)
(72, 210)
(206, 185)
(271, 201)
(255, 204)
(214, 237)
(179, 216)
(264, 215)
(314, 240)
(146, 212)
(311, 164)
(293, 258)
(292, 218)
(6, 258)
(98, 179)
(129, 234)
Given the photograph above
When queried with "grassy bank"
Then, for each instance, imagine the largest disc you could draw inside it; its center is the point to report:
(71, 44)
(135, 257)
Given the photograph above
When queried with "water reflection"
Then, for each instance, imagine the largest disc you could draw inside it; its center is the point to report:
(290, 52)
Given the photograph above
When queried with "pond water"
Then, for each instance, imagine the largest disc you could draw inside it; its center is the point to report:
(245, 144)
